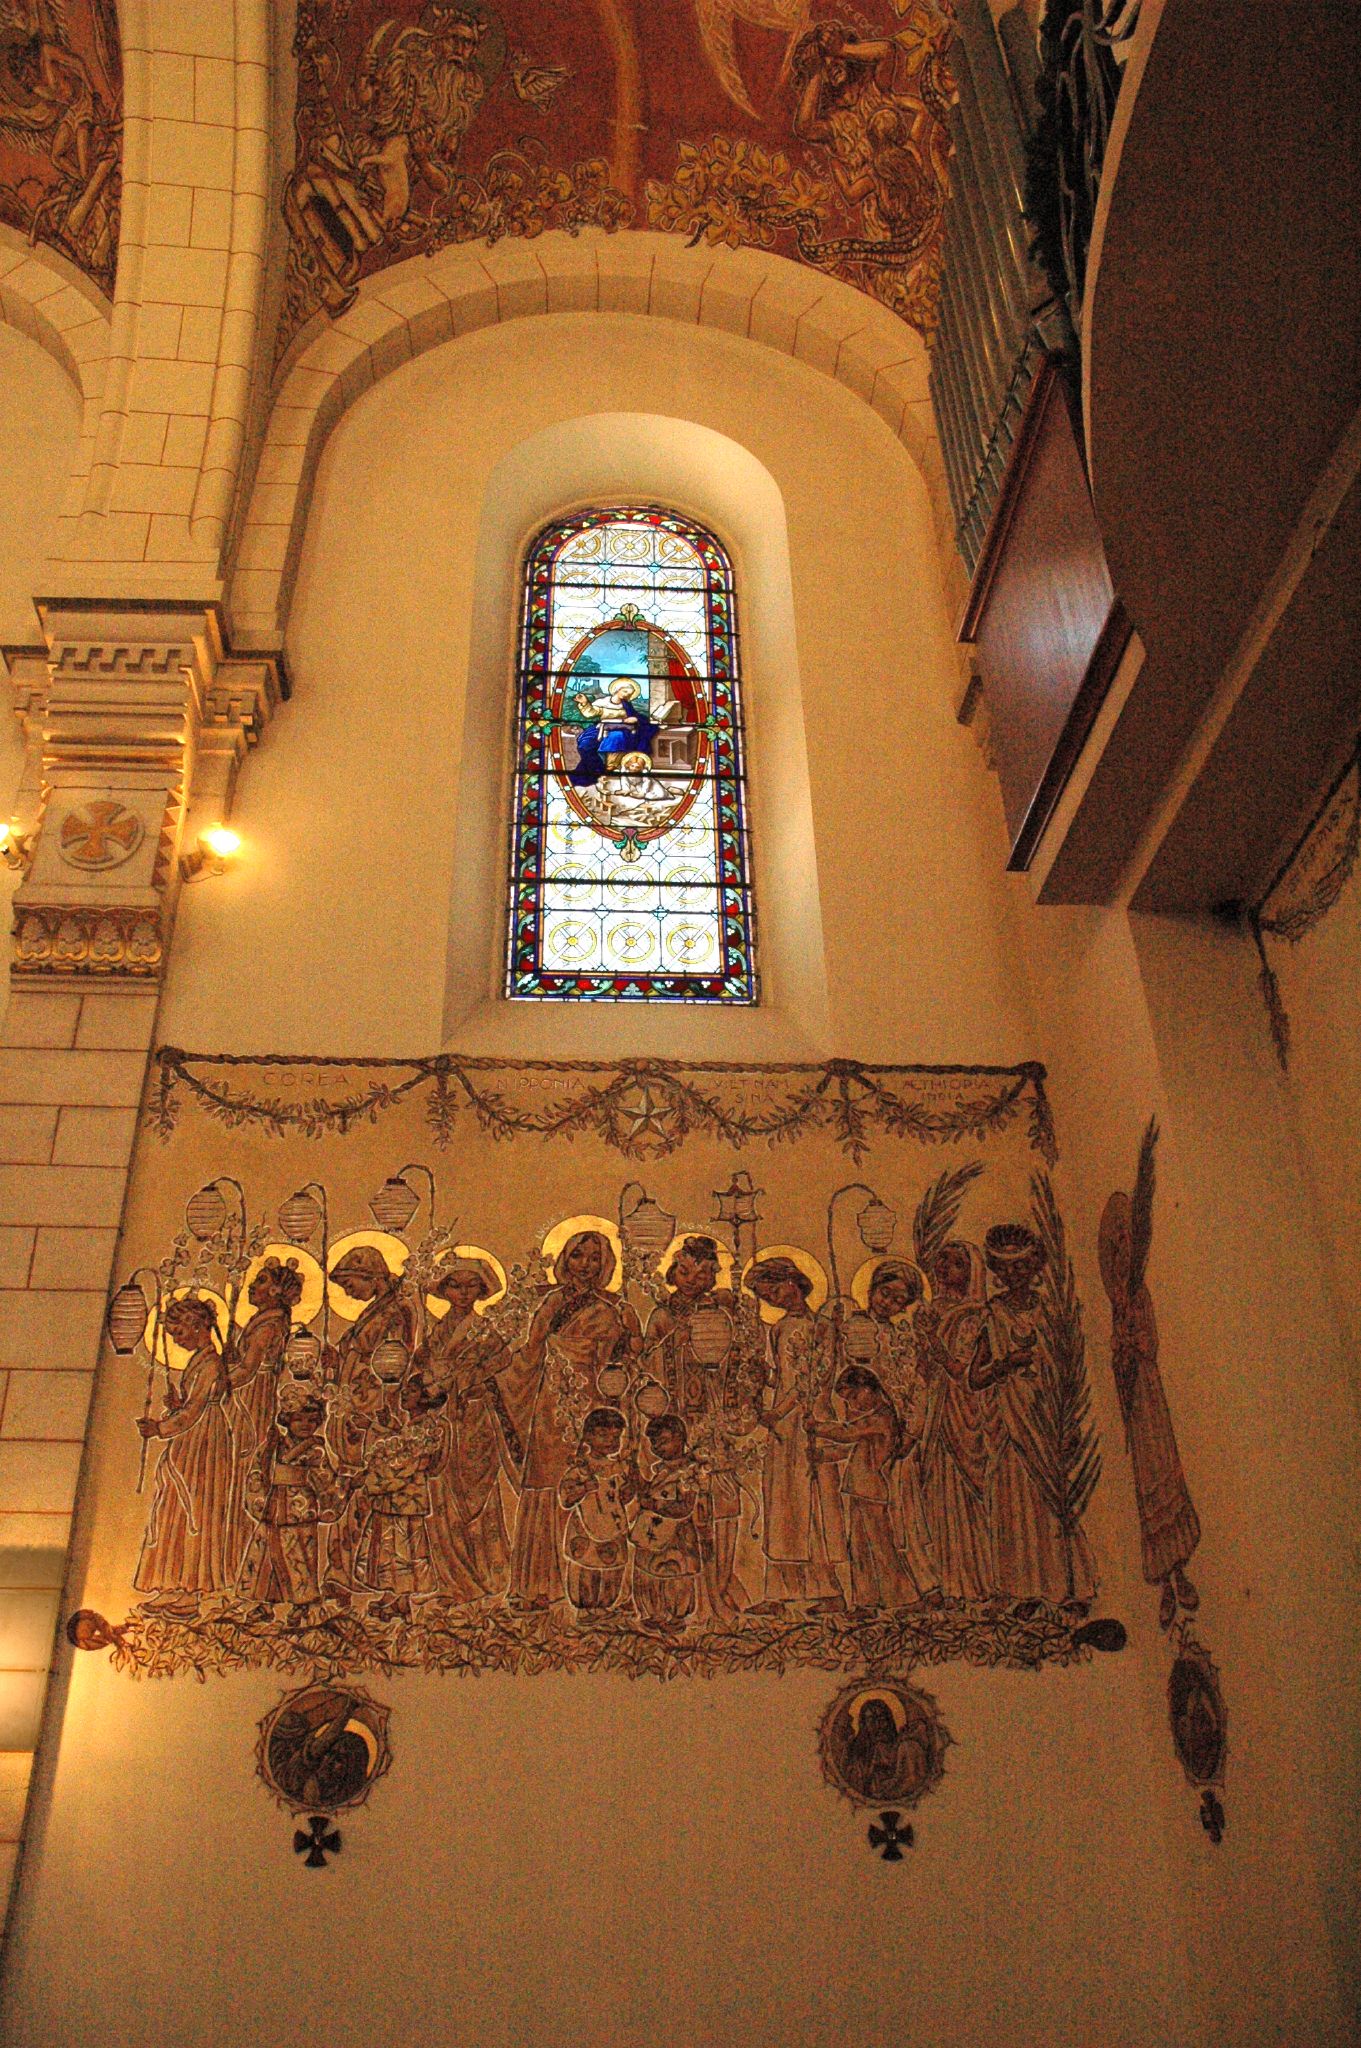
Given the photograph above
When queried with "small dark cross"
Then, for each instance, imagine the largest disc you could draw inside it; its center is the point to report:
(889, 1837)
(318, 1841)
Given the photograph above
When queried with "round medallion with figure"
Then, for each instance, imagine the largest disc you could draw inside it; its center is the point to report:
(882, 1742)
(323, 1748)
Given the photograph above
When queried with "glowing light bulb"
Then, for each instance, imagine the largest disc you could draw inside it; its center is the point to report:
(221, 841)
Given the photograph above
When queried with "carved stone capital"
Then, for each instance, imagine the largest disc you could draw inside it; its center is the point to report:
(136, 716)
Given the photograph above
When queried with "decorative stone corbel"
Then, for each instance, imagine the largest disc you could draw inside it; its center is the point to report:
(142, 709)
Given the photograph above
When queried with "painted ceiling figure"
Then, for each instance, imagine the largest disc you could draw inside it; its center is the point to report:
(718, 20)
(418, 91)
(51, 104)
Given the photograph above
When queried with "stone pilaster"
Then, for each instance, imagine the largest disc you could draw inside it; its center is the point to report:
(137, 721)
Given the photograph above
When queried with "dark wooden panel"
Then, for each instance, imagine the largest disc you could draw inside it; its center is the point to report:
(1041, 611)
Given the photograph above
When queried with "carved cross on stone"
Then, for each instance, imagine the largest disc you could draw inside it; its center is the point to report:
(316, 1842)
(888, 1837)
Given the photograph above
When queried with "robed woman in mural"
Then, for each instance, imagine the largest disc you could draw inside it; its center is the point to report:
(803, 1533)
(1168, 1523)
(461, 1357)
(1032, 1559)
(254, 1362)
(579, 1330)
(955, 1445)
(704, 1393)
(388, 1314)
(187, 1548)
(894, 1294)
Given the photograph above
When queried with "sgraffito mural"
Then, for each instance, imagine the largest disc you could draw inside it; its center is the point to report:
(61, 128)
(802, 126)
(1169, 1526)
(471, 1364)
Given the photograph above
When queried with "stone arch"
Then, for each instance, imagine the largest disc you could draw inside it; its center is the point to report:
(47, 298)
(418, 305)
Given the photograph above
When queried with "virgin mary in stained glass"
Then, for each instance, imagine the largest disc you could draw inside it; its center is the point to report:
(630, 876)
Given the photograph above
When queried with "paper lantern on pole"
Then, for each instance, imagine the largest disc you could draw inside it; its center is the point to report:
(877, 1225)
(127, 1318)
(390, 1361)
(206, 1212)
(299, 1217)
(394, 1205)
(861, 1340)
(303, 1354)
(710, 1335)
(647, 1228)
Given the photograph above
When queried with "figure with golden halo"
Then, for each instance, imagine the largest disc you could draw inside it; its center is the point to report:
(707, 1399)
(291, 1489)
(1032, 1559)
(956, 1445)
(579, 1330)
(388, 1314)
(803, 1535)
(187, 1547)
(461, 1357)
(255, 1358)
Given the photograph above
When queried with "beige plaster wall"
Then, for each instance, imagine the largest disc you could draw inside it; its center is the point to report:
(1320, 982)
(572, 1861)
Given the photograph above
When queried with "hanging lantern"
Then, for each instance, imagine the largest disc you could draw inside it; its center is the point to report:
(299, 1217)
(390, 1361)
(647, 1228)
(127, 1318)
(302, 1354)
(710, 1335)
(736, 1203)
(877, 1225)
(652, 1400)
(206, 1212)
(613, 1383)
(394, 1205)
(861, 1340)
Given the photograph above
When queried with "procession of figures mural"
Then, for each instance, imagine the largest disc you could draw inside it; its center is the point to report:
(840, 1417)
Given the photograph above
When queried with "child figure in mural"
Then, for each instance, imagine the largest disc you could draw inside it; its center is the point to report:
(579, 1330)
(461, 1357)
(667, 1533)
(1033, 1561)
(254, 1363)
(802, 1521)
(291, 1489)
(708, 1399)
(956, 1444)
(597, 1492)
(879, 1577)
(392, 1556)
(187, 1547)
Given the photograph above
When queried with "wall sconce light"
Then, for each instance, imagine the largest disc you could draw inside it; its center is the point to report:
(216, 850)
(15, 847)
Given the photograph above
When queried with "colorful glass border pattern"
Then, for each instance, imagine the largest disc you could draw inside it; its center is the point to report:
(540, 785)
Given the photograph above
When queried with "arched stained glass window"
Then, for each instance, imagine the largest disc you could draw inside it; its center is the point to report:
(630, 879)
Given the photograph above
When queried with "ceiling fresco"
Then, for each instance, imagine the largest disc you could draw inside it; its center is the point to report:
(61, 128)
(807, 127)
